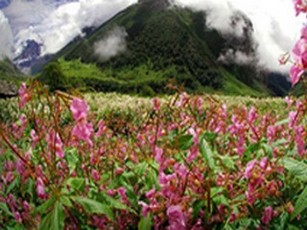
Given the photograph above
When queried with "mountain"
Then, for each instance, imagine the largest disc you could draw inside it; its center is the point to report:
(149, 44)
(10, 76)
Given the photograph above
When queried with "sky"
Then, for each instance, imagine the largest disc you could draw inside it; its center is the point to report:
(56, 22)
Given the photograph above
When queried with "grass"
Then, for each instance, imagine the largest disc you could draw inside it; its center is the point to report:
(104, 103)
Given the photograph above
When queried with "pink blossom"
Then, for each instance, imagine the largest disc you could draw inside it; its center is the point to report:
(252, 115)
(23, 95)
(40, 188)
(55, 143)
(264, 162)
(20, 167)
(176, 218)
(145, 208)
(271, 132)
(150, 193)
(267, 215)
(295, 74)
(156, 104)
(299, 139)
(34, 137)
(101, 128)
(79, 109)
(17, 217)
(159, 155)
(83, 131)
(249, 169)
(283, 59)
(292, 118)
(300, 6)
(95, 175)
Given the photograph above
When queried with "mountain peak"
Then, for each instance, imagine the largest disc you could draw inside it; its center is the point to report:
(157, 4)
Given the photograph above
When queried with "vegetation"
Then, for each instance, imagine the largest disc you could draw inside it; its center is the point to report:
(184, 162)
(185, 53)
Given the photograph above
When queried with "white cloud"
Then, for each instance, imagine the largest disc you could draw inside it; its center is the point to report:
(6, 38)
(113, 44)
(55, 25)
(275, 26)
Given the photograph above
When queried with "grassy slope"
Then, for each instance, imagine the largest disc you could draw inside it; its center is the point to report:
(122, 104)
(179, 53)
(9, 72)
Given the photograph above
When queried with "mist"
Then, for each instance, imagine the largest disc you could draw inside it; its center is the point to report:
(275, 27)
(6, 38)
(112, 44)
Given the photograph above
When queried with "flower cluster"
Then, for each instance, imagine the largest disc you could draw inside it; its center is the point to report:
(299, 50)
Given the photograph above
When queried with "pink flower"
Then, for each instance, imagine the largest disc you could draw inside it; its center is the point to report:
(17, 217)
(79, 109)
(283, 59)
(23, 95)
(95, 175)
(145, 208)
(55, 143)
(156, 104)
(40, 188)
(271, 132)
(295, 74)
(264, 162)
(299, 139)
(300, 6)
(34, 137)
(159, 155)
(176, 218)
(150, 193)
(249, 169)
(101, 128)
(267, 215)
(83, 131)
(292, 118)
(252, 115)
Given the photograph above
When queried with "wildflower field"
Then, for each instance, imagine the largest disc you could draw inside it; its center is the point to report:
(179, 162)
(108, 161)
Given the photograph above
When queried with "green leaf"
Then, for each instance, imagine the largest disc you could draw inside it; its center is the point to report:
(45, 206)
(13, 185)
(5, 209)
(227, 161)
(300, 205)
(72, 159)
(78, 184)
(115, 203)
(197, 206)
(55, 219)
(93, 206)
(282, 122)
(211, 137)
(251, 149)
(145, 223)
(207, 153)
(185, 142)
(66, 201)
(296, 168)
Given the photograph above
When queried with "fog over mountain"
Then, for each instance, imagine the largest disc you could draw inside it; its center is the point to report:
(53, 23)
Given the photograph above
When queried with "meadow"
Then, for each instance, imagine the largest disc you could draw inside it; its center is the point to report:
(113, 161)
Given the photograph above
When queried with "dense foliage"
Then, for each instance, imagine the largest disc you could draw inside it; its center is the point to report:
(187, 163)
(174, 44)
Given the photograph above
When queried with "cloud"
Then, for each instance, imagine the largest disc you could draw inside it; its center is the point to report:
(55, 25)
(6, 38)
(275, 26)
(236, 56)
(113, 44)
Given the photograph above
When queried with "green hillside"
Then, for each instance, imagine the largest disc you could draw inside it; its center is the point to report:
(10, 77)
(163, 45)
(8, 71)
